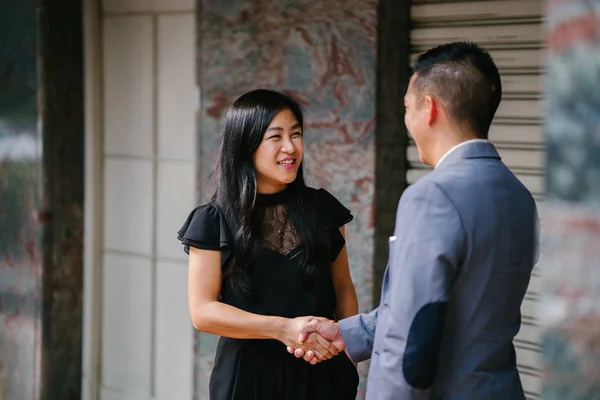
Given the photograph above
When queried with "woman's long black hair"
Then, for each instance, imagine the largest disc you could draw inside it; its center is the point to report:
(236, 190)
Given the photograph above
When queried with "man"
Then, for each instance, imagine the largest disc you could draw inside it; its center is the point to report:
(461, 256)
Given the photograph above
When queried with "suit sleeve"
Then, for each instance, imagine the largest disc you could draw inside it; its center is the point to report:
(424, 256)
(358, 332)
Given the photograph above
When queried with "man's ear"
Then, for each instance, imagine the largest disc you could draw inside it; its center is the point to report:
(432, 107)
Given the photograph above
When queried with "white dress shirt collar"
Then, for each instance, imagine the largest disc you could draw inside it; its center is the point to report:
(459, 146)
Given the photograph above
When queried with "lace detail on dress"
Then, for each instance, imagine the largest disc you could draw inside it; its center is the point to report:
(278, 233)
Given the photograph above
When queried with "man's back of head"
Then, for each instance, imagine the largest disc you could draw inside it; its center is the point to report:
(465, 80)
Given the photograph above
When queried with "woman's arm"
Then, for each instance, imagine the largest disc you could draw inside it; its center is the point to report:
(209, 315)
(347, 303)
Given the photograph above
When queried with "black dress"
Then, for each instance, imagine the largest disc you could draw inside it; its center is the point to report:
(261, 369)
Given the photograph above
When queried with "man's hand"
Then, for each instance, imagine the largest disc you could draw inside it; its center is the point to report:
(323, 327)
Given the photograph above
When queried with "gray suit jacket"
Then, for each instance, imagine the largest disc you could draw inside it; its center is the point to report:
(460, 261)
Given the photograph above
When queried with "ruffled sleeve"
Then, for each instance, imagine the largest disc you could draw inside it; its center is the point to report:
(206, 229)
(333, 215)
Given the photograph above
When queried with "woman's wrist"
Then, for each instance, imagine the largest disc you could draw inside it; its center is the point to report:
(278, 327)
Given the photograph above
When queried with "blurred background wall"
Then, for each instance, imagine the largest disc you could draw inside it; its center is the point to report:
(20, 202)
(41, 199)
(570, 306)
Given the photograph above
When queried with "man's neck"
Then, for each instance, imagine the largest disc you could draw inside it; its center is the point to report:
(443, 148)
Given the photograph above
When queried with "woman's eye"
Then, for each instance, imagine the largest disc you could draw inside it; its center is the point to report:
(276, 137)
(297, 134)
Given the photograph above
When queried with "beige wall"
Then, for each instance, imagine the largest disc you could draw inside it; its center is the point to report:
(140, 345)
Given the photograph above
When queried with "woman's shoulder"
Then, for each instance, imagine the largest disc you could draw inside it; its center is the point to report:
(319, 194)
(329, 209)
(205, 209)
(204, 214)
(204, 228)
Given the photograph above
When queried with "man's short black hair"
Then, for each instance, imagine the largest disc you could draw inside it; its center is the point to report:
(465, 79)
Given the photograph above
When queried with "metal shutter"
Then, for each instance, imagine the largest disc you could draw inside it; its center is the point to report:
(511, 30)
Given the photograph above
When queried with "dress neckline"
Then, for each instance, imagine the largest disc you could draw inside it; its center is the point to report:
(273, 199)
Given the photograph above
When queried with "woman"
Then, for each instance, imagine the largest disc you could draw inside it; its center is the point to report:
(266, 251)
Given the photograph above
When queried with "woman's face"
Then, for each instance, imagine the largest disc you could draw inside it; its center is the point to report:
(278, 157)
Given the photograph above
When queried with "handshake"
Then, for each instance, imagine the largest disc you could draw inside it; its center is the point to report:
(314, 339)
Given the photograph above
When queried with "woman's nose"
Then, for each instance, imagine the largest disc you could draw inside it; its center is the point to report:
(288, 146)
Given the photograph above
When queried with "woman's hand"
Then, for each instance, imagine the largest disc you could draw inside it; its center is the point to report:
(322, 348)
